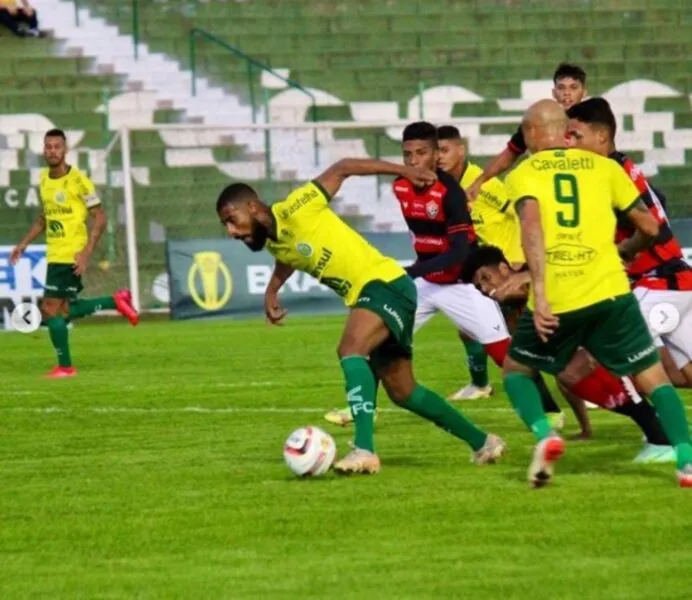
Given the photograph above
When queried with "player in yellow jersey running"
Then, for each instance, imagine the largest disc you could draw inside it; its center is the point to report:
(566, 200)
(68, 199)
(303, 233)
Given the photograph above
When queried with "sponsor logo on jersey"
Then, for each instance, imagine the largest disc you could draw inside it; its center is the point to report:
(570, 255)
(304, 249)
(209, 281)
(432, 209)
(60, 197)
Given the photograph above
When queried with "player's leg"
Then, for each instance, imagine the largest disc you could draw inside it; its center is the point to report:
(585, 380)
(527, 355)
(624, 345)
(425, 310)
(396, 373)
(120, 301)
(481, 319)
(477, 361)
(61, 286)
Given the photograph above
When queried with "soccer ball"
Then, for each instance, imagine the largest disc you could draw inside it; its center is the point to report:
(309, 451)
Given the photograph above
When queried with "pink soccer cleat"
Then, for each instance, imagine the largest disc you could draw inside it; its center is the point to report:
(123, 304)
(61, 372)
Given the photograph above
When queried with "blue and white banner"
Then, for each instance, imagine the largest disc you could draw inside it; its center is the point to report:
(23, 282)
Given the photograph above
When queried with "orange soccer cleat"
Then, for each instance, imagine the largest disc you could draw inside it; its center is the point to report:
(123, 304)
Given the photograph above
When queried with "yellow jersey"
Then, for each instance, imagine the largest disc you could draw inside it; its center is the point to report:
(578, 193)
(66, 202)
(494, 222)
(313, 239)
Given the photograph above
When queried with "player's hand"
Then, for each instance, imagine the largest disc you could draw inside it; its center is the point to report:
(16, 254)
(544, 320)
(81, 261)
(419, 176)
(473, 190)
(514, 287)
(272, 309)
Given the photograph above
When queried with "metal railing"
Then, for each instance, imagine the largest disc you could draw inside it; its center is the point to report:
(253, 67)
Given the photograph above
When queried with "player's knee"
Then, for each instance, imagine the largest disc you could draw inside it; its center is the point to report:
(52, 307)
(398, 381)
(350, 345)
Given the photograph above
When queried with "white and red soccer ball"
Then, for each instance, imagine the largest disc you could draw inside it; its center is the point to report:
(309, 451)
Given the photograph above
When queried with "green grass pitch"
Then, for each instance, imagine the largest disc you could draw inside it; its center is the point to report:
(157, 473)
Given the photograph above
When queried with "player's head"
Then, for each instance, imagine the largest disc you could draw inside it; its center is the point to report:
(244, 215)
(486, 268)
(544, 126)
(55, 147)
(592, 126)
(419, 145)
(452, 149)
(569, 84)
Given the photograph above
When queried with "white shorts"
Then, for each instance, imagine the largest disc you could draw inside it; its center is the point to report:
(679, 340)
(474, 314)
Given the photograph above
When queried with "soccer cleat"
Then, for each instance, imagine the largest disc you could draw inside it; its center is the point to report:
(342, 417)
(358, 461)
(685, 476)
(61, 372)
(556, 420)
(472, 392)
(493, 449)
(591, 405)
(545, 455)
(123, 304)
(652, 453)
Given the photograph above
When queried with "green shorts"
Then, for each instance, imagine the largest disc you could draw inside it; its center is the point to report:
(61, 282)
(396, 303)
(613, 331)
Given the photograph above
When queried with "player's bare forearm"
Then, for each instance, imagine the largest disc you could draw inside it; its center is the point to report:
(634, 244)
(532, 242)
(332, 179)
(644, 222)
(36, 229)
(99, 221)
(498, 165)
(280, 276)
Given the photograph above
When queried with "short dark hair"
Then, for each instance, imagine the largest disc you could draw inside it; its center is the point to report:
(569, 70)
(234, 193)
(420, 130)
(448, 132)
(595, 112)
(56, 133)
(483, 256)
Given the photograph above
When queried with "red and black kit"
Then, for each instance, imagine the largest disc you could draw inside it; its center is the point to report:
(439, 220)
(662, 266)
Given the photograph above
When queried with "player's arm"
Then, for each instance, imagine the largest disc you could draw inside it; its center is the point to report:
(532, 242)
(458, 223)
(501, 163)
(36, 229)
(281, 275)
(333, 178)
(646, 229)
(98, 222)
(272, 307)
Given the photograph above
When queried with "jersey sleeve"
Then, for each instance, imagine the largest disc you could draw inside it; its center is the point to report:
(87, 191)
(305, 201)
(457, 211)
(497, 194)
(625, 193)
(516, 144)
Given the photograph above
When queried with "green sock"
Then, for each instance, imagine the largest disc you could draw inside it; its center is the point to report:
(57, 327)
(671, 414)
(477, 361)
(523, 394)
(427, 404)
(361, 394)
(88, 306)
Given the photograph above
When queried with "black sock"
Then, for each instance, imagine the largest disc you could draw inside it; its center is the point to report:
(549, 404)
(644, 415)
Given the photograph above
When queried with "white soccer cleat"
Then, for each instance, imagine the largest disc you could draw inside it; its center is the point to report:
(358, 461)
(472, 392)
(653, 453)
(492, 450)
(545, 455)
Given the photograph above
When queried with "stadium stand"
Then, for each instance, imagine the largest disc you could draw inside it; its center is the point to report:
(362, 60)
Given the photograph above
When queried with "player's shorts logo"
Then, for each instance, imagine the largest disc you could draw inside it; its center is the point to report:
(432, 209)
(209, 281)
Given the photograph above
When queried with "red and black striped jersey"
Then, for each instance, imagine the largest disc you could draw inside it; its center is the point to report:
(439, 220)
(662, 266)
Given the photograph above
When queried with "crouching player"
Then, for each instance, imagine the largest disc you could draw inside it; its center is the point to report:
(583, 379)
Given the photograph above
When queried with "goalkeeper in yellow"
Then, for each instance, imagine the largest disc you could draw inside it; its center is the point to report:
(68, 199)
(303, 233)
